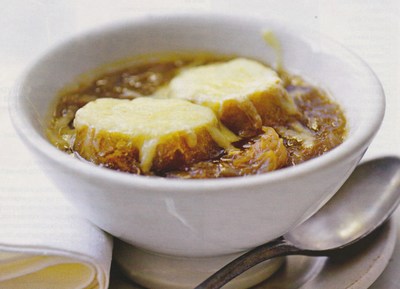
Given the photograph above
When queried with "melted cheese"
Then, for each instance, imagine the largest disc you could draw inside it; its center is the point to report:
(240, 85)
(271, 39)
(299, 133)
(214, 83)
(148, 122)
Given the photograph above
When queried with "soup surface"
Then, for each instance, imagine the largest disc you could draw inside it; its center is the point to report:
(282, 139)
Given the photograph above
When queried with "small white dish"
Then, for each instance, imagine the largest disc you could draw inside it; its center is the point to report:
(355, 270)
(157, 271)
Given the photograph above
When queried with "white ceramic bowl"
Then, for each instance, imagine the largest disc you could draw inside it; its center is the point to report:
(200, 217)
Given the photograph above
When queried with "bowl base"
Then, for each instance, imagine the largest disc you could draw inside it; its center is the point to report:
(156, 271)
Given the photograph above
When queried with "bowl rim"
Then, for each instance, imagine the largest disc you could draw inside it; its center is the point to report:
(41, 145)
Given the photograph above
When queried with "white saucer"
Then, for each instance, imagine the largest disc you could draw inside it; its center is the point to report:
(356, 268)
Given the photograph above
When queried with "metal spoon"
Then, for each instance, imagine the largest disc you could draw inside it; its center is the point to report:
(362, 204)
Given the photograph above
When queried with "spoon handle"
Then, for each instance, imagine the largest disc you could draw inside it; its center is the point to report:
(275, 248)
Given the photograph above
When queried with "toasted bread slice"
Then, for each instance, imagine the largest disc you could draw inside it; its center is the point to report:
(148, 134)
(243, 93)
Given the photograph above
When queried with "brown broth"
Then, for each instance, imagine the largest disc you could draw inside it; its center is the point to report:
(319, 118)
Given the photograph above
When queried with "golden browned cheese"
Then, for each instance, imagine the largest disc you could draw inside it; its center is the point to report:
(119, 153)
(244, 94)
(147, 134)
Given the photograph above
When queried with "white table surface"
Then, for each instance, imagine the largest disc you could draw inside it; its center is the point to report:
(371, 28)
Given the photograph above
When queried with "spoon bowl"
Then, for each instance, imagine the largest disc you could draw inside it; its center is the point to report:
(363, 204)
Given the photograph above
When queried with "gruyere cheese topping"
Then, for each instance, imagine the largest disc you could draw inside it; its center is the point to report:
(218, 82)
(148, 122)
(212, 84)
(242, 85)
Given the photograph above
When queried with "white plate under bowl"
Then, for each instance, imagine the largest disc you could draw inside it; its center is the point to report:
(355, 268)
